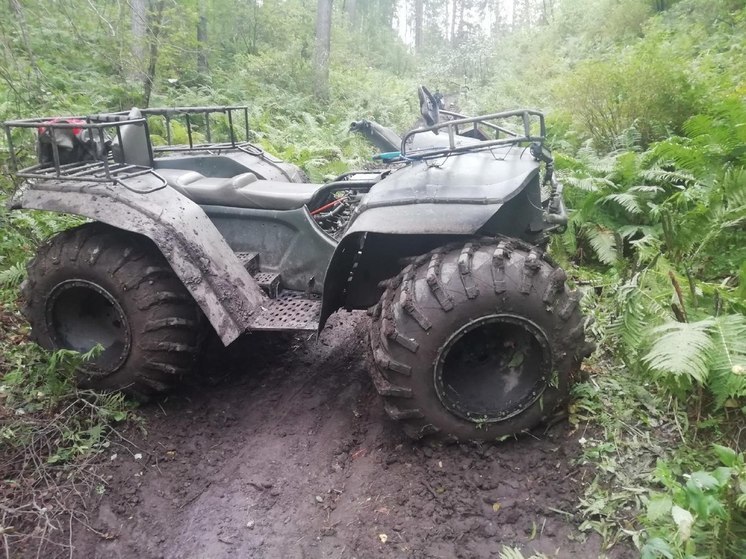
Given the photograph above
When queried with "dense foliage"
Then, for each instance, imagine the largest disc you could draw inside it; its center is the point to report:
(647, 117)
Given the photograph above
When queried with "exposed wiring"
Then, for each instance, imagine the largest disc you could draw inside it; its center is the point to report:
(329, 205)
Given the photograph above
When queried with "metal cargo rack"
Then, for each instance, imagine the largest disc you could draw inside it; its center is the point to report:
(96, 128)
(187, 114)
(454, 126)
(102, 128)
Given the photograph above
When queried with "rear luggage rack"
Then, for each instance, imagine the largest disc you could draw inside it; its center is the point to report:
(102, 133)
(97, 164)
(196, 118)
(106, 171)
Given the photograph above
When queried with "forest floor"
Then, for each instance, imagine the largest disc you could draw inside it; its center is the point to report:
(283, 450)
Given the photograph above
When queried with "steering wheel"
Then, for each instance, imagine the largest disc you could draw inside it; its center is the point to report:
(428, 106)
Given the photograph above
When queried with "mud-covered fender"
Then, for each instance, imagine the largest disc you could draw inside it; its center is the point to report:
(422, 207)
(181, 230)
(379, 241)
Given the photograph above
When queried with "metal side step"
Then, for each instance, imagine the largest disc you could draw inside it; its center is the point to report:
(291, 310)
(270, 282)
(250, 261)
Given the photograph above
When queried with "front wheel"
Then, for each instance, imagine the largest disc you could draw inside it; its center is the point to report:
(476, 341)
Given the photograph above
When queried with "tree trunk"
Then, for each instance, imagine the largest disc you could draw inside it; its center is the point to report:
(418, 15)
(453, 21)
(547, 10)
(17, 9)
(514, 16)
(351, 10)
(460, 28)
(255, 28)
(139, 23)
(323, 47)
(496, 8)
(154, 22)
(202, 65)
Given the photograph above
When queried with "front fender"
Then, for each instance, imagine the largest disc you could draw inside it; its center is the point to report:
(425, 205)
(363, 259)
(194, 248)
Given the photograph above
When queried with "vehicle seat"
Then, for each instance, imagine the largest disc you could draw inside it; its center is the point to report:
(134, 148)
(241, 191)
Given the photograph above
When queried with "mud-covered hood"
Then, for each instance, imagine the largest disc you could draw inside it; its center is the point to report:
(451, 195)
(488, 177)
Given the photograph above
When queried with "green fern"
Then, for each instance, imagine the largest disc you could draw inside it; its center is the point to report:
(603, 242)
(681, 349)
(670, 177)
(588, 184)
(13, 276)
(515, 553)
(728, 358)
(626, 200)
(711, 352)
(637, 312)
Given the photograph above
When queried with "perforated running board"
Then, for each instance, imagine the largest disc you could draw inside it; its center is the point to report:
(291, 310)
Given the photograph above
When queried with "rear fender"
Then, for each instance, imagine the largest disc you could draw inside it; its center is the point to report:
(194, 248)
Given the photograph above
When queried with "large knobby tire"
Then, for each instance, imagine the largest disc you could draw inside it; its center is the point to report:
(476, 341)
(95, 284)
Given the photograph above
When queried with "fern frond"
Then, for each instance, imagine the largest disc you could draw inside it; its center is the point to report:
(627, 231)
(698, 125)
(733, 188)
(603, 242)
(588, 184)
(628, 201)
(741, 501)
(637, 312)
(515, 553)
(681, 349)
(728, 358)
(683, 153)
(13, 276)
(648, 247)
(675, 178)
(511, 553)
(651, 188)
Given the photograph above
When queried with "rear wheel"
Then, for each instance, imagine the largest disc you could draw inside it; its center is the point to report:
(476, 341)
(97, 285)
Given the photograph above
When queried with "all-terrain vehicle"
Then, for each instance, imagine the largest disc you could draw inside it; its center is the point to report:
(473, 332)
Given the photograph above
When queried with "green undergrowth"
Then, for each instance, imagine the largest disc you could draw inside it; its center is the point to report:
(50, 431)
(662, 412)
(657, 239)
(660, 479)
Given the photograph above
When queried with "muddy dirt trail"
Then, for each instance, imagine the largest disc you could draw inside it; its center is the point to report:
(287, 453)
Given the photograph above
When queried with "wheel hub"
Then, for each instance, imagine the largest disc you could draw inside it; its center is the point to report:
(493, 368)
(81, 315)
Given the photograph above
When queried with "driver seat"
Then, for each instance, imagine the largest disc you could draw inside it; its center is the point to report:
(241, 191)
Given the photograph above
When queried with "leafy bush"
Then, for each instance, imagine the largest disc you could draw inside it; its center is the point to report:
(699, 514)
(640, 91)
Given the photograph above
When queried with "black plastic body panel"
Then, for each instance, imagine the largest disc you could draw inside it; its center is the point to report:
(288, 242)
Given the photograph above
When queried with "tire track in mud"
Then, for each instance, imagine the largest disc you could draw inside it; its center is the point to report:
(290, 455)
